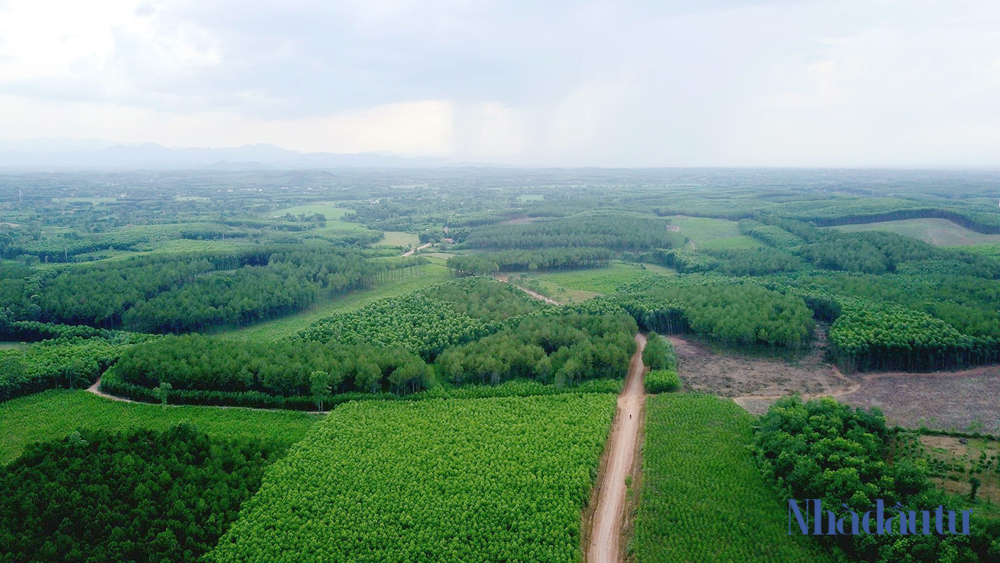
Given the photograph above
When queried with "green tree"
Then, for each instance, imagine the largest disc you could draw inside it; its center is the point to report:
(162, 392)
(319, 385)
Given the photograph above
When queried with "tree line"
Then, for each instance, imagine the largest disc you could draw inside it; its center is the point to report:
(529, 260)
(729, 311)
(181, 293)
(618, 231)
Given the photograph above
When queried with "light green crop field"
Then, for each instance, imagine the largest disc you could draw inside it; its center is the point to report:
(939, 232)
(428, 274)
(599, 280)
(701, 229)
(741, 242)
(531, 197)
(471, 480)
(395, 238)
(702, 496)
(11, 345)
(54, 414)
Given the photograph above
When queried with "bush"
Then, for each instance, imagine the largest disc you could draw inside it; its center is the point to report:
(662, 381)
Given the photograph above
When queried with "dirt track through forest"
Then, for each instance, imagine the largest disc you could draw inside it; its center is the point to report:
(412, 250)
(96, 390)
(622, 446)
(535, 294)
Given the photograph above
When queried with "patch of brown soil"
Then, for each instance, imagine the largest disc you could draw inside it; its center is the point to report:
(942, 401)
(754, 379)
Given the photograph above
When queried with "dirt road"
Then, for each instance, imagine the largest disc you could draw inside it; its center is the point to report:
(622, 447)
(96, 389)
(411, 251)
(535, 294)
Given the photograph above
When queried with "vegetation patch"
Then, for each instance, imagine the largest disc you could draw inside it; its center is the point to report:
(151, 496)
(702, 496)
(52, 415)
(473, 480)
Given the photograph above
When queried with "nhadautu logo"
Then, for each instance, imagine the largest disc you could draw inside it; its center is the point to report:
(895, 521)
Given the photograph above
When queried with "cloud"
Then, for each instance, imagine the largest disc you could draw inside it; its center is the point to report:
(718, 82)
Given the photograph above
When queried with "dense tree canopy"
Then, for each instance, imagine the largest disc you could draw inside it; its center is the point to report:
(142, 496)
(732, 312)
(615, 230)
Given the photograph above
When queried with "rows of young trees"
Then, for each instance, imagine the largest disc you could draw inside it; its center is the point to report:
(415, 322)
(530, 260)
(771, 235)
(459, 480)
(967, 303)
(731, 262)
(870, 336)
(867, 252)
(214, 370)
(141, 496)
(847, 210)
(428, 321)
(181, 293)
(702, 496)
(615, 230)
(731, 312)
(828, 451)
(67, 362)
(564, 347)
(484, 298)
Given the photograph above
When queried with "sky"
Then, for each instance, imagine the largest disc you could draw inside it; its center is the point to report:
(554, 83)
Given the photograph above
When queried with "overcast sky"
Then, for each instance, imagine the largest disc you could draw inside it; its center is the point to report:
(661, 83)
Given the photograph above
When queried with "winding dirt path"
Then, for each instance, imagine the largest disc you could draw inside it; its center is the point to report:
(622, 444)
(412, 250)
(96, 390)
(535, 294)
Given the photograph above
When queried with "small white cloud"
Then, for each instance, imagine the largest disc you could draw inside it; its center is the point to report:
(145, 9)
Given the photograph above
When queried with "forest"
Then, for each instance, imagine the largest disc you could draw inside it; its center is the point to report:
(148, 496)
(457, 337)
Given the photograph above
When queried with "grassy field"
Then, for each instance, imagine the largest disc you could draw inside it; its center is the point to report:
(741, 242)
(471, 480)
(328, 208)
(11, 345)
(702, 229)
(939, 232)
(54, 414)
(394, 238)
(282, 328)
(702, 496)
(597, 281)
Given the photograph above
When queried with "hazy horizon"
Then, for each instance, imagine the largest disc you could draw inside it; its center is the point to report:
(786, 84)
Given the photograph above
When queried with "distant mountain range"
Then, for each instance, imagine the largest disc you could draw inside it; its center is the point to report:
(97, 154)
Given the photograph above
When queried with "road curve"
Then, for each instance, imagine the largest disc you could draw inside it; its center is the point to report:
(412, 250)
(506, 279)
(622, 447)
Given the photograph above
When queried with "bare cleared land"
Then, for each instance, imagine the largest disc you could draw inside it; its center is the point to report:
(961, 400)
(704, 370)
